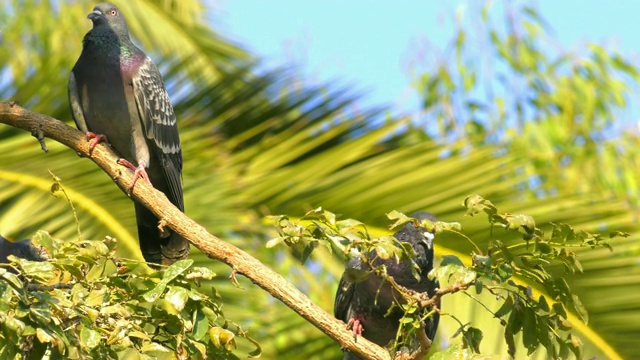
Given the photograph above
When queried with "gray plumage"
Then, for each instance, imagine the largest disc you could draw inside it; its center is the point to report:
(117, 91)
(23, 249)
(368, 301)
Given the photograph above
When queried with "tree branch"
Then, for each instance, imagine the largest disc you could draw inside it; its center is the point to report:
(41, 126)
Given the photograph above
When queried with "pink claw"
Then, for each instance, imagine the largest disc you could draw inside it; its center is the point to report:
(95, 140)
(356, 326)
(138, 172)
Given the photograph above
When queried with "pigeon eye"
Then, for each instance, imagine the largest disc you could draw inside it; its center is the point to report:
(113, 12)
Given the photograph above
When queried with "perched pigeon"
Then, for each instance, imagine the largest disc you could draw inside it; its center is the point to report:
(364, 305)
(116, 91)
(23, 249)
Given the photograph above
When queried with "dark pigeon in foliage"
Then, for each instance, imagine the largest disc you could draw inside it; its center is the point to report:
(116, 93)
(23, 249)
(364, 305)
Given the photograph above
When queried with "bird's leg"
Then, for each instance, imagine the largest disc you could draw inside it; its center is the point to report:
(138, 172)
(355, 325)
(95, 140)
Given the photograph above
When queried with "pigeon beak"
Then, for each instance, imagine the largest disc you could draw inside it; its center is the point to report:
(95, 14)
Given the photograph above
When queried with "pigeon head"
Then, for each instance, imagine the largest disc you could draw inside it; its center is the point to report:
(426, 235)
(419, 237)
(107, 14)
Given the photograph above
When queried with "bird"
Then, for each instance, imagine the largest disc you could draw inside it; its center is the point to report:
(364, 304)
(23, 249)
(117, 95)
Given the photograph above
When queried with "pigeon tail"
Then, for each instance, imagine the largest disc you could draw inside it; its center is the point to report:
(158, 247)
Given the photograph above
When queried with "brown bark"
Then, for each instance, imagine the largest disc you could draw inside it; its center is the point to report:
(43, 126)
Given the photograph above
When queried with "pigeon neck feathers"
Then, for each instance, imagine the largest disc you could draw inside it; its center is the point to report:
(110, 34)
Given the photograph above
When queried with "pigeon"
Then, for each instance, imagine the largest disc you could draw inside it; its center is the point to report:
(23, 249)
(117, 95)
(364, 305)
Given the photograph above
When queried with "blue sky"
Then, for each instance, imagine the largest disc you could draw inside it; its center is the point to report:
(369, 44)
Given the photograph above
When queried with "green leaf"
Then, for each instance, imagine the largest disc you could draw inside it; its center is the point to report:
(543, 247)
(476, 204)
(530, 330)
(542, 304)
(472, 338)
(40, 313)
(478, 286)
(165, 307)
(200, 325)
(348, 225)
(505, 271)
(139, 335)
(575, 344)
(13, 280)
(89, 338)
(506, 307)
(9, 351)
(177, 296)
(176, 269)
(169, 274)
(525, 223)
(579, 308)
(516, 320)
(154, 347)
(510, 340)
(44, 336)
(13, 328)
(454, 273)
(400, 219)
(96, 297)
(43, 239)
(450, 259)
(503, 249)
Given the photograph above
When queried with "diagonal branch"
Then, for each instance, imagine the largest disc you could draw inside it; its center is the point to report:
(42, 126)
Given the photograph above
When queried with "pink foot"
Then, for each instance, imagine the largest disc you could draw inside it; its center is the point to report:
(138, 172)
(356, 326)
(95, 140)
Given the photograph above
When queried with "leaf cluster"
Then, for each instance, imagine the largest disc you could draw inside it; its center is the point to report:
(502, 270)
(84, 302)
(512, 274)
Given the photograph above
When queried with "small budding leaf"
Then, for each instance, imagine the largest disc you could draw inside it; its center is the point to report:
(346, 226)
(520, 222)
(222, 338)
(400, 218)
(476, 204)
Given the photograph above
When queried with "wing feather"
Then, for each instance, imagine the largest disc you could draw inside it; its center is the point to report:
(74, 102)
(160, 125)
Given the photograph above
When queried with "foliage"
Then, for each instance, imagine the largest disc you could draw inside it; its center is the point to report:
(512, 84)
(542, 319)
(259, 142)
(86, 302)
